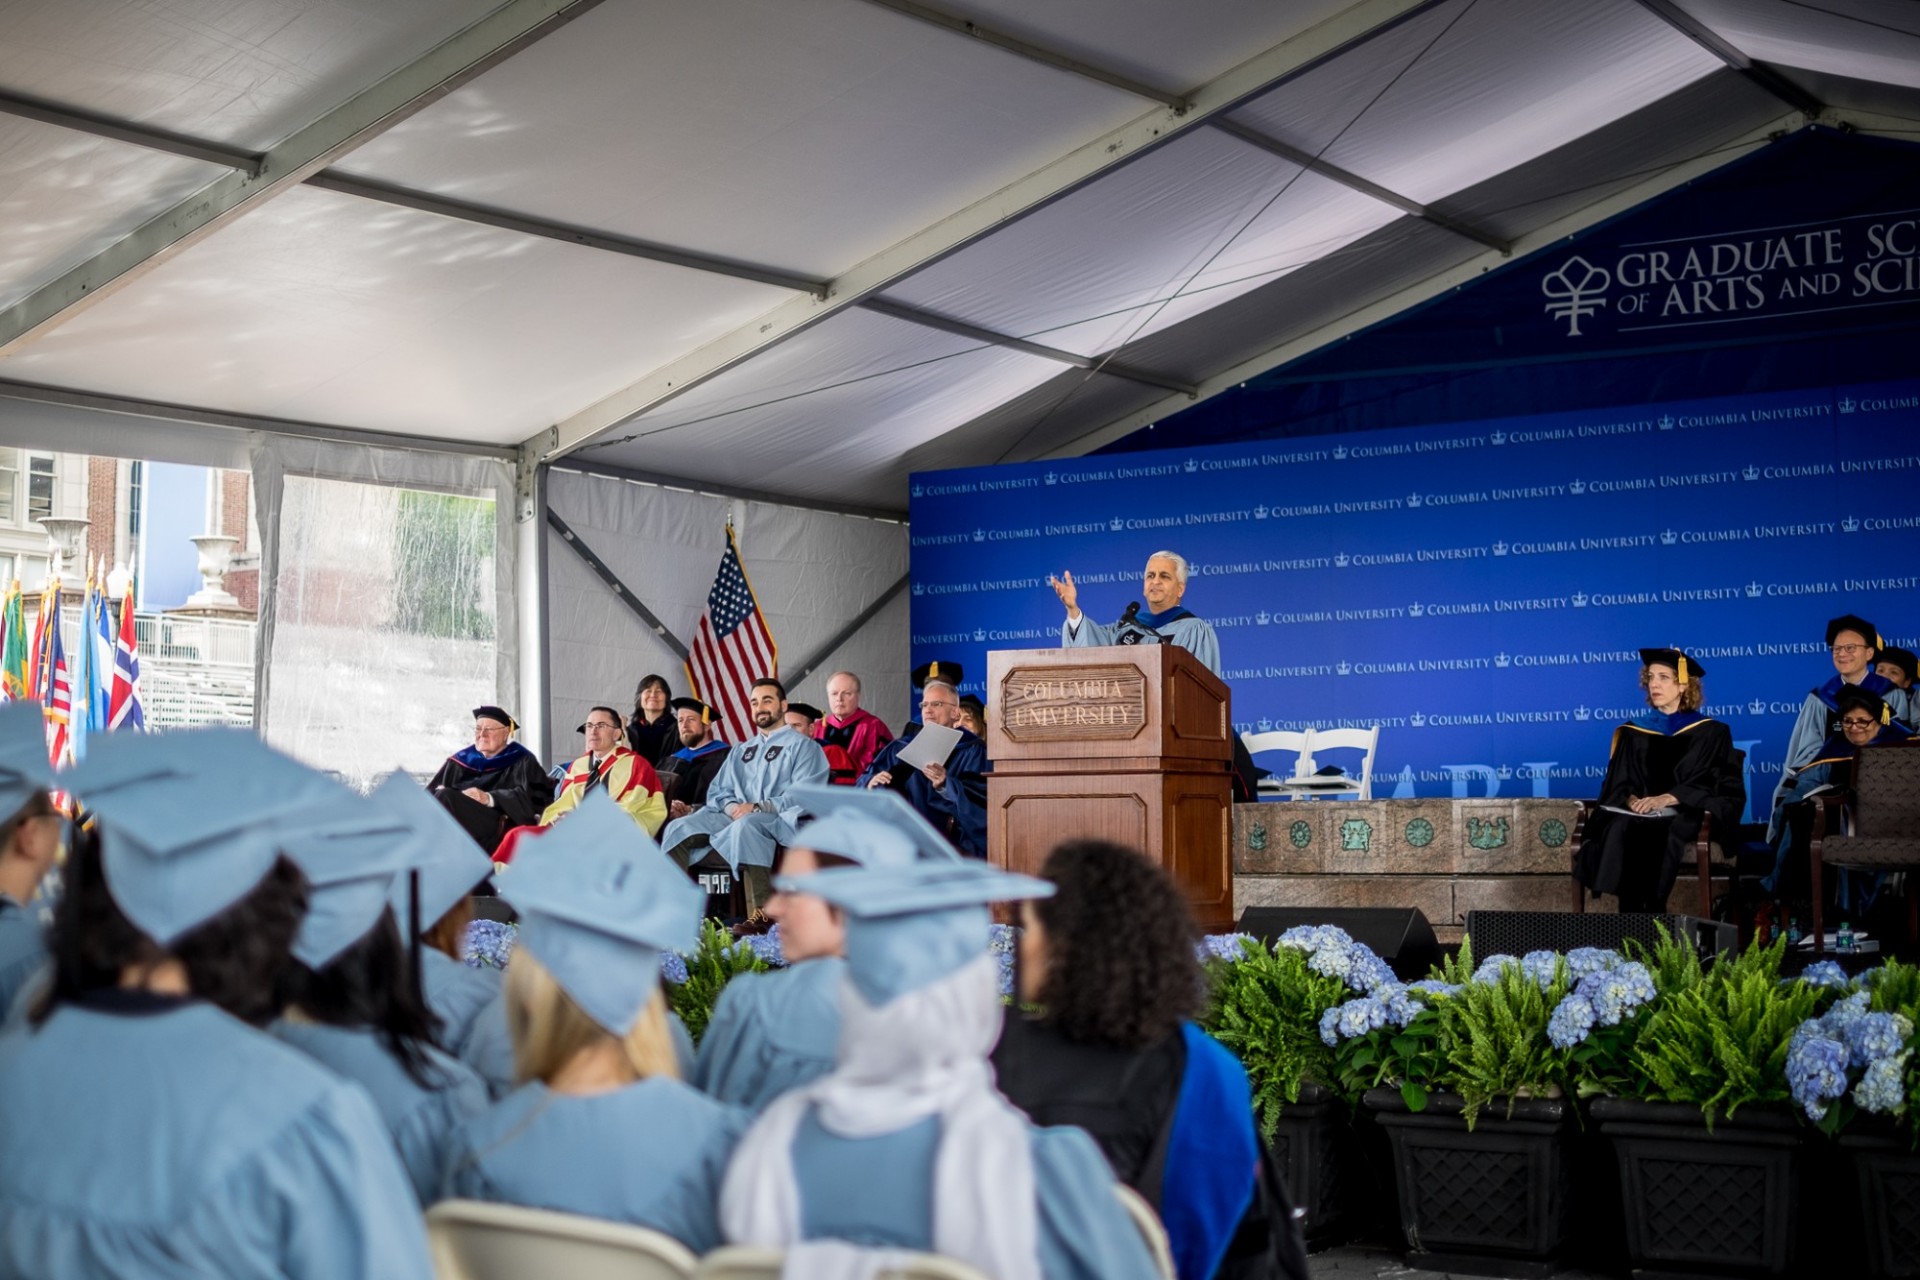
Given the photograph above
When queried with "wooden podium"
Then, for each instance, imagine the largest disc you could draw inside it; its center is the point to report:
(1130, 743)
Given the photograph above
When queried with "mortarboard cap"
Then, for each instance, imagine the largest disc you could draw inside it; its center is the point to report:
(351, 870)
(24, 768)
(449, 863)
(806, 709)
(598, 903)
(1684, 667)
(875, 827)
(973, 703)
(694, 705)
(1855, 623)
(912, 925)
(945, 672)
(194, 819)
(498, 715)
(1901, 658)
(1853, 698)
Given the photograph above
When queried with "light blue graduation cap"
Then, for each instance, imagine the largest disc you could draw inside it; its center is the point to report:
(194, 818)
(598, 903)
(352, 869)
(24, 768)
(449, 863)
(913, 924)
(873, 826)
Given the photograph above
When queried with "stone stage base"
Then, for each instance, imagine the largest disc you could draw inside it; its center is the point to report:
(1446, 857)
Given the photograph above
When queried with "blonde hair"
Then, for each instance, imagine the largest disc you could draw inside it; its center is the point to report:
(549, 1030)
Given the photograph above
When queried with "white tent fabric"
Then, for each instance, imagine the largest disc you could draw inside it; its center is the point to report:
(812, 573)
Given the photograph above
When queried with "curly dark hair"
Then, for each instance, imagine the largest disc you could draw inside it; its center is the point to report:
(1121, 968)
(370, 984)
(230, 960)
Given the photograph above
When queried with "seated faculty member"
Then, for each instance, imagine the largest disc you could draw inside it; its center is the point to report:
(850, 726)
(907, 1144)
(951, 796)
(778, 1030)
(652, 731)
(1164, 585)
(686, 774)
(610, 765)
(1669, 768)
(749, 809)
(602, 1126)
(29, 845)
(1865, 721)
(1903, 668)
(1854, 643)
(147, 1126)
(494, 785)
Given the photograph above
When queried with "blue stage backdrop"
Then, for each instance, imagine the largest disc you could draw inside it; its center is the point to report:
(1477, 589)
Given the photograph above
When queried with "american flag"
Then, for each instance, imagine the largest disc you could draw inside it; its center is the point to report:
(732, 647)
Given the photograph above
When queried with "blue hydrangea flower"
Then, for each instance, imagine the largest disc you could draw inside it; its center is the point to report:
(488, 944)
(1330, 1026)
(1397, 1002)
(1003, 940)
(1489, 970)
(766, 946)
(1616, 992)
(1368, 972)
(673, 967)
(1816, 1070)
(1876, 1035)
(1572, 1019)
(1582, 961)
(1357, 1017)
(1314, 937)
(1224, 946)
(1542, 966)
(1882, 1089)
(1827, 973)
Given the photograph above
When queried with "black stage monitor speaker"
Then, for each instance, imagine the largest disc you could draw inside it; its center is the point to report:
(1514, 933)
(1399, 935)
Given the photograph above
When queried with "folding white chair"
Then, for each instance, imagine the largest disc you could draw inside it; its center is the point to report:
(1363, 740)
(1299, 741)
(476, 1240)
(1150, 1229)
(744, 1262)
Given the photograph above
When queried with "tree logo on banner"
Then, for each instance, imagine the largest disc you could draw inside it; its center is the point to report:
(1576, 290)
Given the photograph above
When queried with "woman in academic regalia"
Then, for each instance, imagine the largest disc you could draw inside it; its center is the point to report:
(1669, 768)
(778, 1030)
(29, 845)
(1113, 1048)
(350, 1004)
(147, 1127)
(602, 1126)
(653, 732)
(907, 1145)
(1865, 720)
(1854, 644)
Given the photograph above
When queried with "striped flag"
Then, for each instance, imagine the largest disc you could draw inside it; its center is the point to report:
(732, 647)
(59, 691)
(125, 711)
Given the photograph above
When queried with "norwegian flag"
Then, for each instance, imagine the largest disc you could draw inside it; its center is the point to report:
(123, 707)
(732, 647)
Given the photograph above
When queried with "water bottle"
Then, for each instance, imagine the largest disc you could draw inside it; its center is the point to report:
(1843, 941)
(1793, 931)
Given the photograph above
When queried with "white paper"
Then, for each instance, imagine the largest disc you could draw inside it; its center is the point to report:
(932, 745)
(1655, 813)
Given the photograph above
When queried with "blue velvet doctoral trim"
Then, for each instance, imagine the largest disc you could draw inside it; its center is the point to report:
(1652, 721)
(1873, 682)
(1837, 748)
(1211, 1157)
(694, 753)
(1158, 620)
(472, 759)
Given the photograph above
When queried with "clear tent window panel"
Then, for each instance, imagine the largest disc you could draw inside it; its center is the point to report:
(386, 627)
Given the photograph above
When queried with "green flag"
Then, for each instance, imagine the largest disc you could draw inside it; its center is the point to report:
(13, 649)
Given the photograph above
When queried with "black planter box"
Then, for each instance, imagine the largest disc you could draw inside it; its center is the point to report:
(1492, 1201)
(1887, 1171)
(1706, 1203)
(1309, 1144)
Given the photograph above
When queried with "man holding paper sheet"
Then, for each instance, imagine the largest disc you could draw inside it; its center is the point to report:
(940, 768)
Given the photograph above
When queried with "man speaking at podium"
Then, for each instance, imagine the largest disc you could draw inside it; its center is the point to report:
(1162, 621)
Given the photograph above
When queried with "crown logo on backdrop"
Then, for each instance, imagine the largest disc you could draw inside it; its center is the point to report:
(1498, 437)
(1755, 590)
(979, 635)
(1260, 512)
(1051, 478)
(1500, 548)
(917, 491)
(1262, 617)
(1579, 599)
(1581, 713)
(1752, 472)
(1413, 500)
(1578, 486)
(1116, 524)
(1850, 525)
(1757, 707)
(1502, 660)
(1343, 667)
(1193, 465)
(1341, 560)
(1666, 422)
(1265, 724)
(979, 535)
(1846, 404)
(1416, 609)
(1417, 719)
(1668, 537)
(1339, 452)
(919, 588)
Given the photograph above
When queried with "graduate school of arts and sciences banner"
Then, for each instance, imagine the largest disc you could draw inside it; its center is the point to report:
(1477, 589)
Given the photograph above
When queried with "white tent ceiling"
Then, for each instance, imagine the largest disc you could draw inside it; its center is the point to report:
(801, 246)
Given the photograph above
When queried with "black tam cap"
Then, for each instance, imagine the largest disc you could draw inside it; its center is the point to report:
(496, 714)
(944, 672)
(700, 708)
(1685, 669)
(973, 704)
(1855, 623)
(1853, 698)
(1901, 658)
(806, 709)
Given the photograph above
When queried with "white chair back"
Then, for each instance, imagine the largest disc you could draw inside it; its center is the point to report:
(1299, 741)
(744, 1262)
(475, 1240)
(1363, 740)
(1150, 1229)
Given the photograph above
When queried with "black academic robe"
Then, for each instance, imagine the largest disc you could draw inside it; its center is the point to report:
(654, 742)
(1686, 755)
(520, 788)
(686, 774)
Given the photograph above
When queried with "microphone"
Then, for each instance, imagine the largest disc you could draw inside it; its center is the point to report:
(1140, 631)
(1133, 612)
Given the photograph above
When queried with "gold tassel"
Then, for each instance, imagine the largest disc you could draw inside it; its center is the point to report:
(1886, 714)
(1681, 671)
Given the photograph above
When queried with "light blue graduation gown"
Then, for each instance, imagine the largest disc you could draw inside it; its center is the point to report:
(1195, 635)
(23, 950)
(878, 1192)
(651, 1154)
(761, 771)
(179, 1142)
(771, 1032)
(421, 1120)
(473, 1016)
(1810, 734)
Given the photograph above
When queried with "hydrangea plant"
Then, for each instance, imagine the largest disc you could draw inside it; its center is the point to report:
(1859, 1056)
(488, 944)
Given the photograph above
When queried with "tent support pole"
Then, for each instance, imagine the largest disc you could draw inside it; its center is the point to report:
(621, 590)
(818, 657)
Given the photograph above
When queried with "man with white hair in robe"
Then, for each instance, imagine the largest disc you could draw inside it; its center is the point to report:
(1163, 585)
